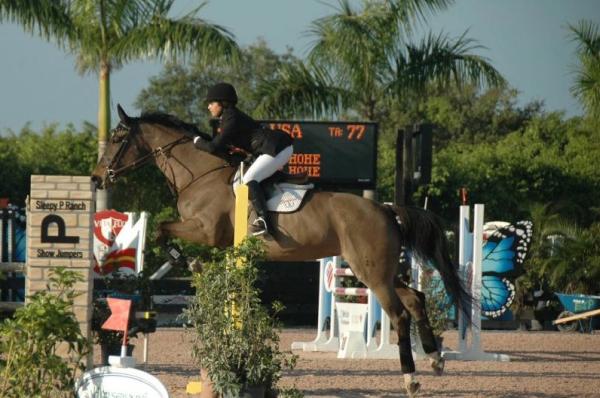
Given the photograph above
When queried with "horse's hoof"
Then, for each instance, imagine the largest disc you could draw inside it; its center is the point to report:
(438, 366)
(412, 388)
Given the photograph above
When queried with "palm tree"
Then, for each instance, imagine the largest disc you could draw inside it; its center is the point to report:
(361, 56)
(587, 81)
(105, 34)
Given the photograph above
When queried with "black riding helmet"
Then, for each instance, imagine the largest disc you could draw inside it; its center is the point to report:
(222, 92)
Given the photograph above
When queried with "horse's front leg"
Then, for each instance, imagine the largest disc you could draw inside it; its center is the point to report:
(191, 230)
(196, 230)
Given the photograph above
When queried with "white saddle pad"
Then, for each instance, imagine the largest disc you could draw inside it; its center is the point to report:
(282, 197)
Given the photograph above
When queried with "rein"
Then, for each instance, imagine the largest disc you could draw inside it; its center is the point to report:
(114, 173)
(163, 152)
(223, 166)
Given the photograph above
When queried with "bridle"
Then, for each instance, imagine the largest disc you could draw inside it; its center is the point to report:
(123, 134)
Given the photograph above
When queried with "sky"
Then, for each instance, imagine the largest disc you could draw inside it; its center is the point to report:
(526, 40)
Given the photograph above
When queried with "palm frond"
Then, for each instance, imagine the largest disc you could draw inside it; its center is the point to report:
(586, 34)
(586, 87)
(406, 13)
(165, 38)
(50, 19)
(298, 91)
(440, 60)
(351, 46)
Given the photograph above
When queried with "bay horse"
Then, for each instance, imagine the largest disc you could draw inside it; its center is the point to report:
(370, 236)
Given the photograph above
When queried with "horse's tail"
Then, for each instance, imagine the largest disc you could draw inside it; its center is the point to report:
(422, 234)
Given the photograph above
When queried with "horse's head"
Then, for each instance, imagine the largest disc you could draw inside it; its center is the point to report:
(123, 151)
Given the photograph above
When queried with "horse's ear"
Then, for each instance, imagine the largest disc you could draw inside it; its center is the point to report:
(122, 115)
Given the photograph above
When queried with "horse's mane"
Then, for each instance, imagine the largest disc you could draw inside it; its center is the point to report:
(168, 120)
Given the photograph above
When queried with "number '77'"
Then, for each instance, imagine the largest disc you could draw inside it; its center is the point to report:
(356, 131)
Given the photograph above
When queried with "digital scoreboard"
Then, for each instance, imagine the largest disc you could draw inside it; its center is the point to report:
(340, 154)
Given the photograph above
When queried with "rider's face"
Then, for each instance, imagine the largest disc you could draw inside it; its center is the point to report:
(215, 108)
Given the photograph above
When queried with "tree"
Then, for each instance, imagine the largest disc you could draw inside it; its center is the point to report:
(548, 159)
(48, 151)
(575, 265)
(587, 81)
(105, 34)
(361, 59)
(181, 89)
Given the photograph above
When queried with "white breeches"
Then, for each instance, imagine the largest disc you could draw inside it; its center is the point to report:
(265, 165)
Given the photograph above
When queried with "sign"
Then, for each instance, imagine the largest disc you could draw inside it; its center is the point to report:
(112, 382)
(340, 154)
(352, 320)
(57, 225)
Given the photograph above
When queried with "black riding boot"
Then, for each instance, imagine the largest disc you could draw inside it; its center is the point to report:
(261, 223)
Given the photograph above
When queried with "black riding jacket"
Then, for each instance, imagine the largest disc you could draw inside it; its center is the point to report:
(241, 131)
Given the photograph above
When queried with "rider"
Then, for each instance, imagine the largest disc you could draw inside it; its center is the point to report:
(237, 130)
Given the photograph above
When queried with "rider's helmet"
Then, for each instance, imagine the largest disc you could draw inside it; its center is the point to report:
(222, 92)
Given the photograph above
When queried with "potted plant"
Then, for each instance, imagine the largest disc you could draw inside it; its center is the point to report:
(235, 338)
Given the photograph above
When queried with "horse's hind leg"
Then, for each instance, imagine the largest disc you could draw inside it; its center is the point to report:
(400, 320)
(414, 302)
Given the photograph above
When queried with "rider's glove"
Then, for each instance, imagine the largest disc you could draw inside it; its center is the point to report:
(202, 144)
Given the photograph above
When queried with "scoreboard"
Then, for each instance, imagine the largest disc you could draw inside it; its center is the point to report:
(340, 154)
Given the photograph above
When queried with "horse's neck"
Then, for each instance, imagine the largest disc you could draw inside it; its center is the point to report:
(182, 164)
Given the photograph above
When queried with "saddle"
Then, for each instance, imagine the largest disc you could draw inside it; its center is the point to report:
(284, 192)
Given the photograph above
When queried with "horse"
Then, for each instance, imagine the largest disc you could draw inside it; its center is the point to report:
(370, 236)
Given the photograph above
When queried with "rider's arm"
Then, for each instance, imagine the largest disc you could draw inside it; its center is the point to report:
(222, 141)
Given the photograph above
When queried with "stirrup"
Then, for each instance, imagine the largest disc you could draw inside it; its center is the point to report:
(259, 227)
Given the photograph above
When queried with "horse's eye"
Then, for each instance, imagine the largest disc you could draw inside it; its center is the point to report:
(116, 139)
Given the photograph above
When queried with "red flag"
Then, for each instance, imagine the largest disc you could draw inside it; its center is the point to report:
(119, 318)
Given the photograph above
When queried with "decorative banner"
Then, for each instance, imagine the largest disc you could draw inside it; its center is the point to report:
(107, 225)
(492, 226)
(118, 242)
(119, 318)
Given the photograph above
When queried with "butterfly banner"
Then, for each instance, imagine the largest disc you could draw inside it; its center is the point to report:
(503, 255)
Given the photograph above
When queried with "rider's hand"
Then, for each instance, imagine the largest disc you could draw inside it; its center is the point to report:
(203, 144)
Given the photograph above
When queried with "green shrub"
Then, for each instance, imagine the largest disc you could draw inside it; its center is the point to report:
(236, 340)
(30, 364)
